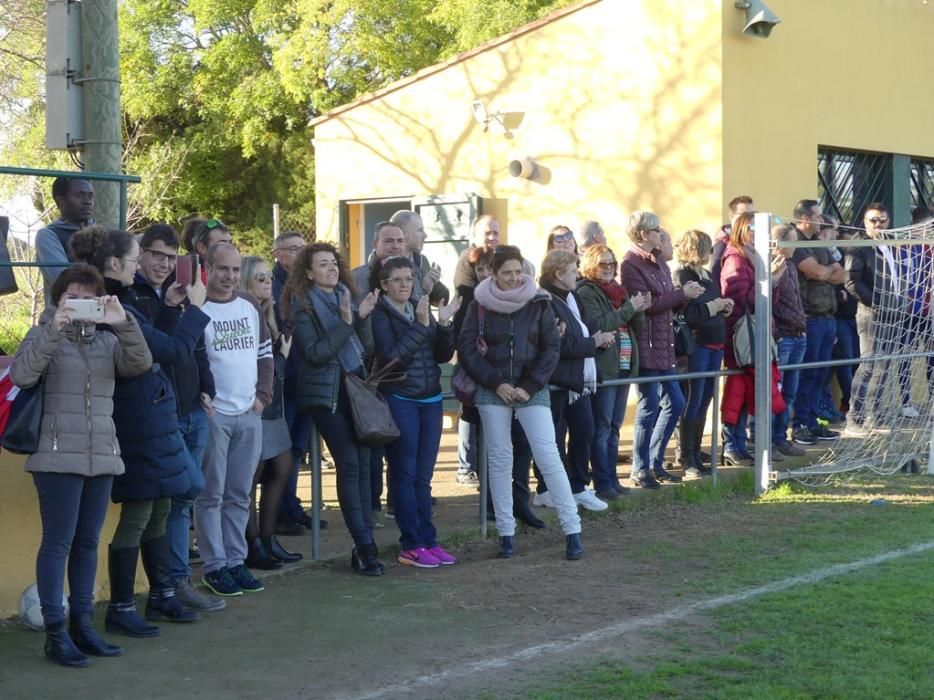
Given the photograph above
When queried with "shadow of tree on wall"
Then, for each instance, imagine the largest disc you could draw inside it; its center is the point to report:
(625, 136)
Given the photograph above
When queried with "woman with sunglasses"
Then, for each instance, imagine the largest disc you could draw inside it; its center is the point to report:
(608, 307)
(511, 359)
(645, 270)
(154, 453)
(334, 338)
(561, 238)
(275, 462)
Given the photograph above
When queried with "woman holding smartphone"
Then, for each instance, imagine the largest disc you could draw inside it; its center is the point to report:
(74, 467)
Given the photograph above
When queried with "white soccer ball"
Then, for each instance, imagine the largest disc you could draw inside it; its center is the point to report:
(30, 612)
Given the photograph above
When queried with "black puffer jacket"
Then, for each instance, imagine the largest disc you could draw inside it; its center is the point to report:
(319, 373)
(145, 415)
(417, 348)
(522, 347)
(864, 275)
(575, 348)
(708, 328)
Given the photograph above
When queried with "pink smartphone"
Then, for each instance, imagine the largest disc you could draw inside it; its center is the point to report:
(184, 270)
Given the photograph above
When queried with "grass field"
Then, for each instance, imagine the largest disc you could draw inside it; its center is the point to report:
(540, 627)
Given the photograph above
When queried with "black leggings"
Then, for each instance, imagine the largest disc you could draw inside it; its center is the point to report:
(274, 475)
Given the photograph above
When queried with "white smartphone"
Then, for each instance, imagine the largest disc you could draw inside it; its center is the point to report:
(85, 309)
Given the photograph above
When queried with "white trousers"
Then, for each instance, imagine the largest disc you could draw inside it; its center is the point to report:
(536, 421)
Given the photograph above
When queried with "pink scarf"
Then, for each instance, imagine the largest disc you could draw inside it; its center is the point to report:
(504, 301)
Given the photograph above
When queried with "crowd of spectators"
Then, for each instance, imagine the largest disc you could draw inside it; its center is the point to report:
(195, 386)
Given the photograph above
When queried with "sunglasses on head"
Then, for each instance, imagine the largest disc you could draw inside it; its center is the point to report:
(206, 227)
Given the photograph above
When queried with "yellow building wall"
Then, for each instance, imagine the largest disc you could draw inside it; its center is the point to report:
(845, 73)
(21, 533)
(621, 104)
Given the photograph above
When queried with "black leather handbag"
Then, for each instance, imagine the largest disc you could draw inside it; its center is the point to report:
(21, 435)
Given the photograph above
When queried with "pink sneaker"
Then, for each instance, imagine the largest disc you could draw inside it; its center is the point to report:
(419, 557)
(438, 553)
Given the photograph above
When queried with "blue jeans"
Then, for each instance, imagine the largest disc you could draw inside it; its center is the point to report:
(72, 508)
(821, 334)
(791, 351)
(411, 465)
(655, 423)
(466, 447)
(700, 391)
(609, 409)
(194, 430)
(299, 427)
(847, 348)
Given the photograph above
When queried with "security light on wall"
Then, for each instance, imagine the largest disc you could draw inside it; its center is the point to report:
(760, 20)
(483, 116)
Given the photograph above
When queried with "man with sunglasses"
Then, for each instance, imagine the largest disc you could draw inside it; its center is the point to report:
(817, 275)
(870, 274)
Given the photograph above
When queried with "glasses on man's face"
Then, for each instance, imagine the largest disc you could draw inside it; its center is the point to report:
(607, 265)
(160, 257)
(263, 277)
(294, 249)
(879, 219)
(401, 280)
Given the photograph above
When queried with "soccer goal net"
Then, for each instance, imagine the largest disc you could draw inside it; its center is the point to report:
(890, 419)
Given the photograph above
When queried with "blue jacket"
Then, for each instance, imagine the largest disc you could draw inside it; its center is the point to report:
(145, 415)
(417, 348)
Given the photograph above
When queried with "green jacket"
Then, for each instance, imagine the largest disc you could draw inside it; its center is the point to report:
(319, 375)
(601, 316)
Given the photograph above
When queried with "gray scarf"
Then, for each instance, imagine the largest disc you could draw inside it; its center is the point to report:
(327, 309)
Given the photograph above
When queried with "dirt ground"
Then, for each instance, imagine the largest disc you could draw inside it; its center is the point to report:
(320, 631)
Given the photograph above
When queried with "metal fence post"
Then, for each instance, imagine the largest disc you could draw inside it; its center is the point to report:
(715, 431)
(275, 221)
(763, 350)
(314, 455)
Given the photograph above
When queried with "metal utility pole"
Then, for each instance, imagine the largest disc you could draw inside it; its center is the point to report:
(100, 78)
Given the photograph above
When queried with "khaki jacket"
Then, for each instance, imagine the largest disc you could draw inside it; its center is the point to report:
(80, 365)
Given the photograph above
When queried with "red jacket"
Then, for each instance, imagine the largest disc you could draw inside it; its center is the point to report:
(644, 272)
(740, 391)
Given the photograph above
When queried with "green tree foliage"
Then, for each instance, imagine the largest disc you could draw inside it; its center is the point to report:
(217, 94)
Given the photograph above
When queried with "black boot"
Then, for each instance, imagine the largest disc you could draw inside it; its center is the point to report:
(574, 549)
(524, 514)
(507, 547)
(61, 649)
(259, 557)
(275, 548)
(372, 557)
(686, 429)
(162, 603)
(364, 563)
(122, 617)
(87, 639)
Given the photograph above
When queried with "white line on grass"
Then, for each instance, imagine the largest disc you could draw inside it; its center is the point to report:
(563, 646)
